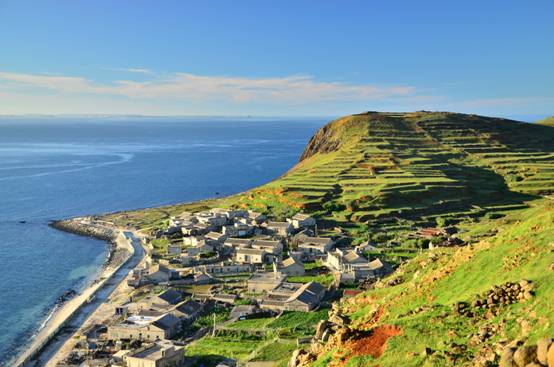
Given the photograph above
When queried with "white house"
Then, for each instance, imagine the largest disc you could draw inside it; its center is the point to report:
(279, 228)
(301, 221)
(292, 267)
(315, 246)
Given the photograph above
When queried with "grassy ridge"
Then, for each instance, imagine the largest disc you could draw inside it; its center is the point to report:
(383, 175)
(434, 282)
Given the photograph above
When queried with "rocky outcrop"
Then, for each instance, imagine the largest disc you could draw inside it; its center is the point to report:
(324, 141)
(334, 331)
(516, 354)
(502, 295)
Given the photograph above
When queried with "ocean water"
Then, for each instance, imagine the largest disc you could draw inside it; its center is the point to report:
(58, 168)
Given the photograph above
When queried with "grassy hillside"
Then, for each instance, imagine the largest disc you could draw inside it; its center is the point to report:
(393, 170)
(549, 121)
(422, 308)
(382, 176)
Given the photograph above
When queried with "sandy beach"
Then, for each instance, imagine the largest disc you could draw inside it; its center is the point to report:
(71, 316)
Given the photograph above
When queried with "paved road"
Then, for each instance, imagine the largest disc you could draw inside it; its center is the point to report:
(75, 322)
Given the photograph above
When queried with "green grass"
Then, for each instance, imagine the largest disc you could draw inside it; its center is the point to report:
(522, 249)
(387, 174)
(325, 279)
(224, 347)
(278, 350)
(250, 324)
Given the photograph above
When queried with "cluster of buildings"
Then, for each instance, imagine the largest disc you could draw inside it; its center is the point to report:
(235, 255)
(224, 242)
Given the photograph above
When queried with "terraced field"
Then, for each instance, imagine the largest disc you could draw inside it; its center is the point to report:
(391, 168)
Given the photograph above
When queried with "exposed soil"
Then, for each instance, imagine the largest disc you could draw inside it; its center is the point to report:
(375, 343)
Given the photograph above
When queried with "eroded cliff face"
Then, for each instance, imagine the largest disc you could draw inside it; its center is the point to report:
(324, 141)
(336, 134)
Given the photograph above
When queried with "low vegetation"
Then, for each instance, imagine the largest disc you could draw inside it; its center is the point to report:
(378, 177)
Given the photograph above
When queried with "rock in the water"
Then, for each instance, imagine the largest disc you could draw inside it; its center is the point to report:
(542, 350)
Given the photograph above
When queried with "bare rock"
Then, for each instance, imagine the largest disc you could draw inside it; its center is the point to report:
(507, 358)
(320, 329)
(542, 350)
(339, 320)
(550, 356)
(294, 358)
(525, 355)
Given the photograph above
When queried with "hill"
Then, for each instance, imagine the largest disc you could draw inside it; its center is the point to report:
(383, 176)
(549, 121)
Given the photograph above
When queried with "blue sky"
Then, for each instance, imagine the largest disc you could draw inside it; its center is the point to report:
(276, 58)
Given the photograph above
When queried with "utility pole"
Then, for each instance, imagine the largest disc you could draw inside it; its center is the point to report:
(213, 329)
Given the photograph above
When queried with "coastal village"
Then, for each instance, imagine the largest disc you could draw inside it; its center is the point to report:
(208, 269)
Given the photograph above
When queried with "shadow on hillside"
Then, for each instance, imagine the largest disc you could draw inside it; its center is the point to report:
(475, 189)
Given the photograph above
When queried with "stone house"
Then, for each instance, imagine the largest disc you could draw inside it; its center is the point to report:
(242, 312)
(195, 229)
(211, 220)
(238, 230)
(167, 299)
(338, 258)
(215, 238)
(188, 311)
(147, 328)
(159, 354)
(161, 274)
(230, 214)
(257, 217)
(264, 282)
(250, 256)
(201, 249)
(193, 241)
(294, 297)
(271, 246)
(292, 267)
(283, 229)
(354, 267)
(225, 268)
(236, 243)
(302, 221)
(313, 247)
(174, 249)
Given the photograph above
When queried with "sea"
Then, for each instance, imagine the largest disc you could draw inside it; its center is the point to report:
(53, 168)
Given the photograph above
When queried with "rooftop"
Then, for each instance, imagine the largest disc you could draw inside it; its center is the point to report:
(156, 351)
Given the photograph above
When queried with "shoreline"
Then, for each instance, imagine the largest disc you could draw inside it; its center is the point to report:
(61, 315)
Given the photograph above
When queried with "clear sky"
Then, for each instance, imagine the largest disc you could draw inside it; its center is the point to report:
(298, 57)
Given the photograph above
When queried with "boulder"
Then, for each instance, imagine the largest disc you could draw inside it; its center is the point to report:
(294, 359)
(525, 355)
(339, 320)
(550, 356)
(507, 358)
(320, 329)
(542, 350)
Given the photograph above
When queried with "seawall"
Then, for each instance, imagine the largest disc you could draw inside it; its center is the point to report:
(85, 227)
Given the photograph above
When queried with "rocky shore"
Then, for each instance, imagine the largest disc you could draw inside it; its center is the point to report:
(119, 254)
(85, 226)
